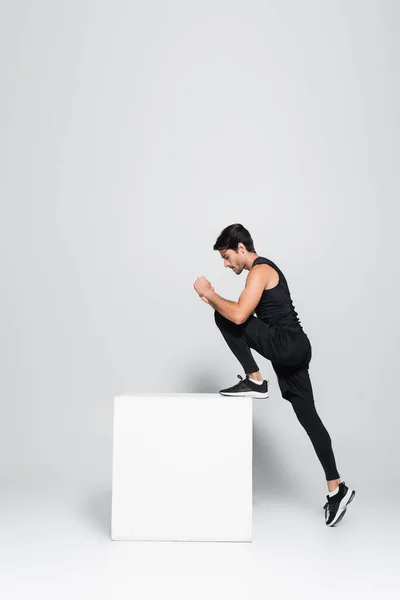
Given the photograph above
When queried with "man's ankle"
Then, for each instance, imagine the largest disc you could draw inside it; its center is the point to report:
(257, 376)
(333, 484)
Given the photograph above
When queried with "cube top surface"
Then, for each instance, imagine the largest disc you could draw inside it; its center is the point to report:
(178, 394)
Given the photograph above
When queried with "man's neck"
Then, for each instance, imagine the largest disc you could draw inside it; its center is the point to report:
(252, 258)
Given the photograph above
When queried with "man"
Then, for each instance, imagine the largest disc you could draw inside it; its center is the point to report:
(277, 334)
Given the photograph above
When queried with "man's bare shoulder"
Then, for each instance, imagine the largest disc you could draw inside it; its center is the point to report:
(262, 271)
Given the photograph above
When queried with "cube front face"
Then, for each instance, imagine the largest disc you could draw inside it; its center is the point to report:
(182, 468)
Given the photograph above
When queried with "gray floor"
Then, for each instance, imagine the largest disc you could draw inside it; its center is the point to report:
(56, 542)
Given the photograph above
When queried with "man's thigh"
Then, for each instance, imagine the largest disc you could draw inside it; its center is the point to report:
(294, 382)
(257, 333)
(279, 344)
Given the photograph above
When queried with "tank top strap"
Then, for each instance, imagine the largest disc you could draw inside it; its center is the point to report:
(266, 261)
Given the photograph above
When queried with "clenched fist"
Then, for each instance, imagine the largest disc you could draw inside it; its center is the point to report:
(202, 286)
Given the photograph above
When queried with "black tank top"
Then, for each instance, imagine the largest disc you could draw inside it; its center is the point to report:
(275, 306)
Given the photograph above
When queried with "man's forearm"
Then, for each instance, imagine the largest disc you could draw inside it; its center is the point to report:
(227, 308)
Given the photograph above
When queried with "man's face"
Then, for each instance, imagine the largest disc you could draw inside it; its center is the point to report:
(232, 260)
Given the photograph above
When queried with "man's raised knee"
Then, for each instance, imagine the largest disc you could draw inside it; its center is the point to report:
(218, 317)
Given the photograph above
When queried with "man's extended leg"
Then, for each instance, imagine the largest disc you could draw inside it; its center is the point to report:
(295, 386)
(294, 381)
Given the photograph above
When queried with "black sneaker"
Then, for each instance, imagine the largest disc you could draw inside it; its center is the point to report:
(336, 506)
(245, 387)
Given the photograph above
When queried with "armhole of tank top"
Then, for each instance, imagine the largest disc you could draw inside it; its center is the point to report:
(277, 269)
(279, 281)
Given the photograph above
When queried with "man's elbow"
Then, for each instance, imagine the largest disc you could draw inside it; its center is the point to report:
(240, 318)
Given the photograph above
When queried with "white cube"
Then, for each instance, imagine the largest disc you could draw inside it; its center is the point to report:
(182, 467)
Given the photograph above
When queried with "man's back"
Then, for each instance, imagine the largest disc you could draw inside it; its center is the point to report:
(276, 306)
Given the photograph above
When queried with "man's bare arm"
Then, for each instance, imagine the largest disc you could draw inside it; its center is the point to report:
(238, 312)
(256, 281)
(227, 308)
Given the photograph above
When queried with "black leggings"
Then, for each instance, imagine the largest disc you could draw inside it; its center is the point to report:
(289, 351)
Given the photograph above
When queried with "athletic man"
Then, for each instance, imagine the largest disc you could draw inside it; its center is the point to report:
(277, 334)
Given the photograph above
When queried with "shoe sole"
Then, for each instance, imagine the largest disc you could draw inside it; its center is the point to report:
(342, 507)
(249, 393)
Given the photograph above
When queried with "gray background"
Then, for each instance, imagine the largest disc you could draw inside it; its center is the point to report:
(131, 135)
